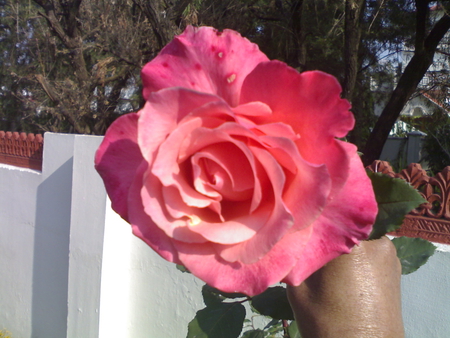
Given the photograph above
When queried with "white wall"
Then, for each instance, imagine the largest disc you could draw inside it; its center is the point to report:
(142, 296)
(401, 151)
(64, 273)
(17, 220)
(70, 267)
(426, 298)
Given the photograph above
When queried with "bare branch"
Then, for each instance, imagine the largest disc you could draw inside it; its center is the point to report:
(47, 88)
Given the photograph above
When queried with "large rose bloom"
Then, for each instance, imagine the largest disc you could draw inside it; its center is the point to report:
(233, 167)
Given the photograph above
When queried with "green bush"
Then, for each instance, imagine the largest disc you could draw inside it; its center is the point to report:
(437, 147)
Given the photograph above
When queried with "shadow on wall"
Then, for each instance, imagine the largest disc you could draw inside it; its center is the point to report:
(51, 254)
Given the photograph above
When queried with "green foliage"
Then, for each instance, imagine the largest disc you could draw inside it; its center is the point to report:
(273, 303)
(221, 307)
(77, 77)
(210, 296)
(254, 334)
(15, 51)
(437, 147)
(395, 199)
(436, 144)
(293, 330)
(217, 320)
(274, 329)
(182, 268)
(117, 38)
(413, 252)
(210, 289)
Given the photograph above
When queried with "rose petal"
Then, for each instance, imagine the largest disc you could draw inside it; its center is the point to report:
(116, 160)
(205, 60)
(234, 231)
(309, 102)
(241, 222)
(162, 113)
(253, 109)
(143, 226)
(177, 208)
(195, 139)
(153, 204)
(224, 168)
(311, 105)
(167, 166)
(311, 186)
(250, 279)
(279, 218)
(345, 221)
(278, 129)
(308, 183)
(285, 152)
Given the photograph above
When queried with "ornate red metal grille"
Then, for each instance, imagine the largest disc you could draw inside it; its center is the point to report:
(430, 220)
(21, 149)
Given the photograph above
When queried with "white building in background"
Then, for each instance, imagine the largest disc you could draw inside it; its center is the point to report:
(429, 97)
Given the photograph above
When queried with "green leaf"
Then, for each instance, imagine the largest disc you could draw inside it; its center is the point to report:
(182, 268)
(293, 330)
(274, 329)
(274, 303)
(225, 294)
(220, 320)
(395, 198)
(273, 322)
(254, 334)
(413, 252)
(210, 297)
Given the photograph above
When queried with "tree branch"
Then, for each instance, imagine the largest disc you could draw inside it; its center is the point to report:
(72, 42)
(407, 84)
(162, 18)
(421, 24)
(47, 88)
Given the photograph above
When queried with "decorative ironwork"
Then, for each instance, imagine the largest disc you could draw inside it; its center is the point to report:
(430, 220)
(21, 149)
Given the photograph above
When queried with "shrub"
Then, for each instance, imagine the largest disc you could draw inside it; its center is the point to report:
(437, 147)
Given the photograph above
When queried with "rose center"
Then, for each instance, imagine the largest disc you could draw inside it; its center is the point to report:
(222, 171)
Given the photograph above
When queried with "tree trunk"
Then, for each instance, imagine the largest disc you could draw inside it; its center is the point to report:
(352, 38)
(354, 10)
(297, 54)
(409, 80)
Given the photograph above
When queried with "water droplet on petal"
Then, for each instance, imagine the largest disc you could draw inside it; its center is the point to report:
(231, 78)
(220, 54)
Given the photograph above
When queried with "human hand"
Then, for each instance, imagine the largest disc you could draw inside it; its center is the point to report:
(354, 296)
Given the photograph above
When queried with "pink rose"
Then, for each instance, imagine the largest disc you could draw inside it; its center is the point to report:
(233, 167)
